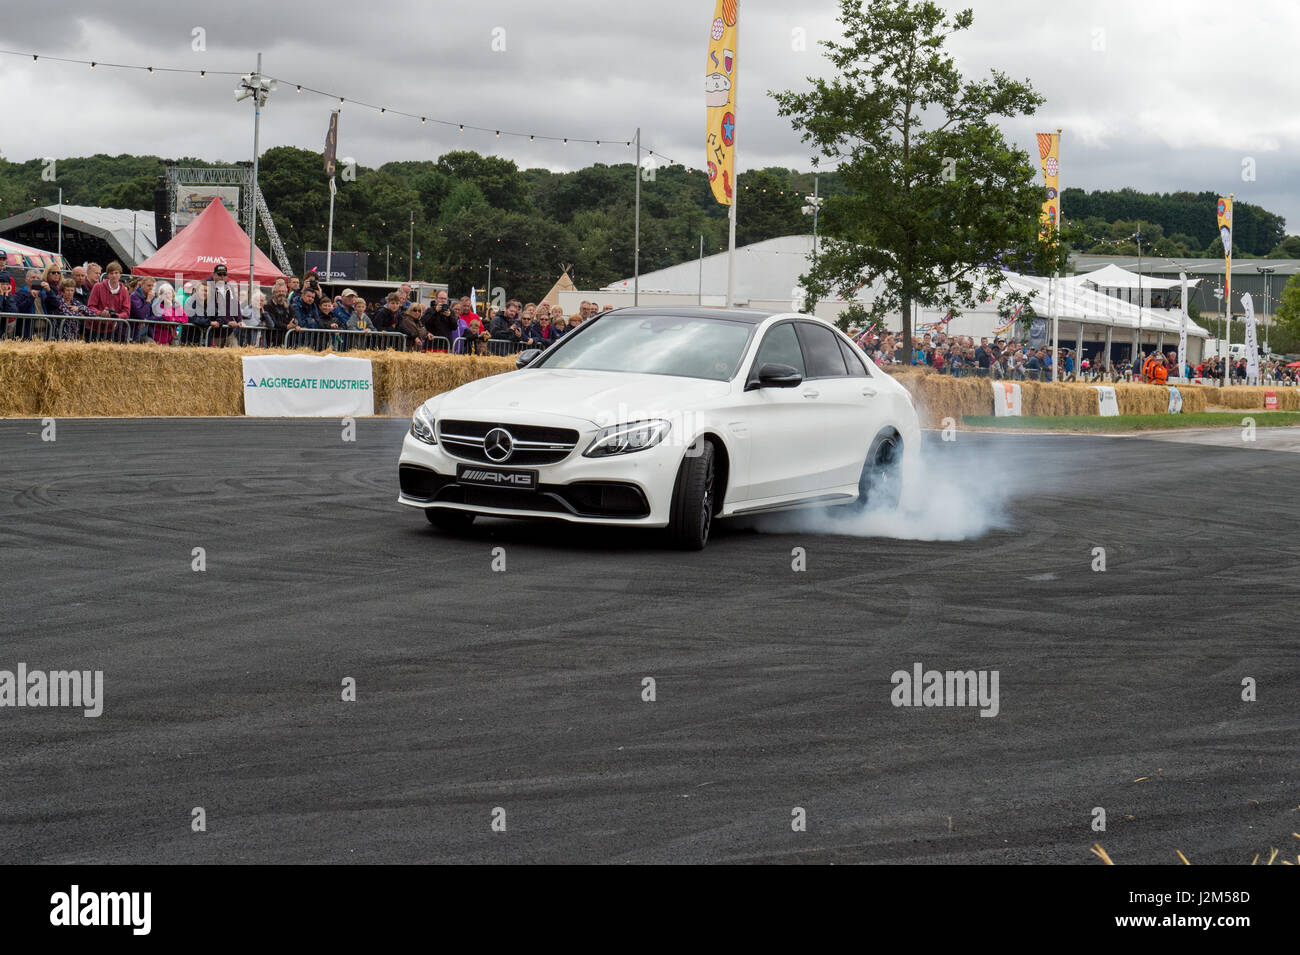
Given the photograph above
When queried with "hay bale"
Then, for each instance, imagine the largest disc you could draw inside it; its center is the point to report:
(1251, 397)
(405, 381)
(78, 379)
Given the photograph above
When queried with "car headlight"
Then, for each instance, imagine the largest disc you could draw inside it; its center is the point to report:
(422, 426)
(626, 438)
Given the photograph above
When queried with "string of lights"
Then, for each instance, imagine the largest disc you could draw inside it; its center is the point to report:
(344, 100)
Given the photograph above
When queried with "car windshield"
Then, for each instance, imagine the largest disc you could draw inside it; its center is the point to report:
(654, 345)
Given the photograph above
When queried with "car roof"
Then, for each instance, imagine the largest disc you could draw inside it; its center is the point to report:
(750, 316)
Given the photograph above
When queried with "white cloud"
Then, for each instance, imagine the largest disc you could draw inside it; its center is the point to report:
(1173, 98)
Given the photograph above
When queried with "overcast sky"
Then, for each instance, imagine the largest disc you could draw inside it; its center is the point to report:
(1160, 96)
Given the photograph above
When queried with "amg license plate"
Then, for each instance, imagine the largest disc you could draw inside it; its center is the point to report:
(496, 477)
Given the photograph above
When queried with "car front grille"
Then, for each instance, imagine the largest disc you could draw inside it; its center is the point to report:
(533, 444)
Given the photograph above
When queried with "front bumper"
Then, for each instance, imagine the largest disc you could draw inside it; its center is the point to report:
(632, 489)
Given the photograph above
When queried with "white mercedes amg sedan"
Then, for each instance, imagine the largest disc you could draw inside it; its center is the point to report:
(666, 417)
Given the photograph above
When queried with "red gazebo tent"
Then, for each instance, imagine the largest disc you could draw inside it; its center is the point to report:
(212, 239)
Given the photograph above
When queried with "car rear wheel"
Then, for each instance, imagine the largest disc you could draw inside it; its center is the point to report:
(693, 504)
(446, 519)
(881, 483)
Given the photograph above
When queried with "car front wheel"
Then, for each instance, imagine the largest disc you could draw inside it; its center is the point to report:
(693, 503)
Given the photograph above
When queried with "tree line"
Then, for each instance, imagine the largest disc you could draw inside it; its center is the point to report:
(469, 209)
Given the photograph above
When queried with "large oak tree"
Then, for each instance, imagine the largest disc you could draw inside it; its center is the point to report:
(937, 201)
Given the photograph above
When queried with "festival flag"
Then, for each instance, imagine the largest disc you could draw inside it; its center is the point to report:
(1252, 340)
(720, 101)
(1225, 234)
(332, 147)
(1182, 328)
(1009, 322)
(1049, 153)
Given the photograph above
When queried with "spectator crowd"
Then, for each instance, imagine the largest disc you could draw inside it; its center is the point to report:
(997, 357)
(100, 304)
(94, 304)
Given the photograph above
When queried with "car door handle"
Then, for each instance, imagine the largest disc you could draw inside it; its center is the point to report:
(869, 392)
(811, 394)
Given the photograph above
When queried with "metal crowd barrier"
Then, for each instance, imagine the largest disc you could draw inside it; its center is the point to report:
(344, 339)
(502, 347)
(29, 327)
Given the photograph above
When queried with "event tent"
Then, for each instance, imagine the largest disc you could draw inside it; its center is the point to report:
(27, 257)
(212, 239)
(1112, 276)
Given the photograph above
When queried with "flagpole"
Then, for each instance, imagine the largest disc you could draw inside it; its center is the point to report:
(1227, 293)
(329, 236)
(636, 240)
(735, 186)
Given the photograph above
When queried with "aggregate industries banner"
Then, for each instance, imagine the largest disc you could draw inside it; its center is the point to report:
(1107, 403)
(308, 386)
(1006, 399)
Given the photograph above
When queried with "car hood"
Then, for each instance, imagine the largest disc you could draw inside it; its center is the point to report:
(601, 397)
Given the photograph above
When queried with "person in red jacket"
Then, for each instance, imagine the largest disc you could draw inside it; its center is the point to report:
(109, 299)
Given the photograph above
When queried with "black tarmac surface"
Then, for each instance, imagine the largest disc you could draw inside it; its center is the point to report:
(522, 690)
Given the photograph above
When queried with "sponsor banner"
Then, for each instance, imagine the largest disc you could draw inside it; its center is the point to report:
(1270, 400)
(192, 200)
(344, 266)
(308, 386)
(1252, 341)
(1049, 154)
(720, 101)
(1175, 401)
(1037, 333)
(1182, 328)
(1006, 399)
(1107, 403)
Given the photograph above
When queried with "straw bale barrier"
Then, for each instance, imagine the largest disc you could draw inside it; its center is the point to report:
(1247, 397)
(75, 379)
(942, 396)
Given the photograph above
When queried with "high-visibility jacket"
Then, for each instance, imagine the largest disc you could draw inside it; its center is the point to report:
(1147, 369)
(1159, 374)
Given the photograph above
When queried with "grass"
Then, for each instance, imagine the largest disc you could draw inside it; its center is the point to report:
(1135, 422)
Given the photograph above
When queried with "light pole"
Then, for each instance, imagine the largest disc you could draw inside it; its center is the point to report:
(1268, 287)
(1138, 235)
(812, 207)
(258, 87)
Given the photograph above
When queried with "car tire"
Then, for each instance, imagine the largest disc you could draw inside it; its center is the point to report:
(691, 515)
(446, 519)
(881, 483)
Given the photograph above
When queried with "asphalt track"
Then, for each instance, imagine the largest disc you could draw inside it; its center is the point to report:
(523, 689)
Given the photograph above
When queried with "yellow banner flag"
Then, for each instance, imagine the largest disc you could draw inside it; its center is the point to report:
(720, 101)
(1049, 152)
(1225, 233)
(1225, 225)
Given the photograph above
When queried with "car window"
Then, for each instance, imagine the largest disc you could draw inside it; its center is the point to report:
(857, 369)
(822, 350)
(780, 346)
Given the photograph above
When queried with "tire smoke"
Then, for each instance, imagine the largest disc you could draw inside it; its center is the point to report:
(954, 491)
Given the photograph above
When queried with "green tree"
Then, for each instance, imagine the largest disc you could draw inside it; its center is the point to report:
(936, 194)
(770, 208)
(1288, 248)
(1288, 309)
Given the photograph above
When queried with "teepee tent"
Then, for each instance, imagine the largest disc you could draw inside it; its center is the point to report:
(563, 284)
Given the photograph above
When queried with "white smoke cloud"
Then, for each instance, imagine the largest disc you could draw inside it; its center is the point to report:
(959, 491)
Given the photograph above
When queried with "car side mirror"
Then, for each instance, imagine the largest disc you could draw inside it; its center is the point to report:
(775, 375)
(527, 357)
